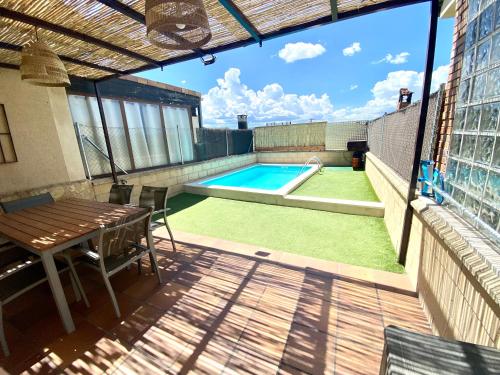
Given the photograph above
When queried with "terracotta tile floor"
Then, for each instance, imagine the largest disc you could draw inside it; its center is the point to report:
(216, 312)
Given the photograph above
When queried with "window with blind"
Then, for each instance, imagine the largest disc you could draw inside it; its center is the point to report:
(142, 135)
(7, 152)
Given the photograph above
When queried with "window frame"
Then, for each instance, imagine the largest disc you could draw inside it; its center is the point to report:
(9, 135)
(160, 104)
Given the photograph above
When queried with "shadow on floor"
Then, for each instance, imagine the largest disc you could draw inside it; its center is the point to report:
(181, 202)
(216, 312)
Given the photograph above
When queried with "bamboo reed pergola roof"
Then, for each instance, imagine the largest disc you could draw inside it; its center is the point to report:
(99, 39)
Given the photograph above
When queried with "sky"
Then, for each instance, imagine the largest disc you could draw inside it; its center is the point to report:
(348, 70)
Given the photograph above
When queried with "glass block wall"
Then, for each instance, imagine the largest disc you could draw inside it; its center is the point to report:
(473, 171)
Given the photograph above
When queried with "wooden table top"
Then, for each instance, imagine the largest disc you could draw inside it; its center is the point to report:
(46, 226)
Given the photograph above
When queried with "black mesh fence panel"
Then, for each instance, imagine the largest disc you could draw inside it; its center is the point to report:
(392, 137)
(240, 142)
(211, 143)
(216, 143)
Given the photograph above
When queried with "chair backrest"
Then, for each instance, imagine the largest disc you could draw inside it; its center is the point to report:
(155, 197)
(120, 237)
(20, 204)
(120, 194)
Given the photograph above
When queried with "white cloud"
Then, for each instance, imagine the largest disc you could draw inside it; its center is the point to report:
(353, 87)
(400, 58)
(300, 51)
(439, 76)
(352, 49)
(231, 97)
(183, 81)
(386, 93)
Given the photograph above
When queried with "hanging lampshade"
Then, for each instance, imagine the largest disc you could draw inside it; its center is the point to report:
(40, 66)
(177, 24)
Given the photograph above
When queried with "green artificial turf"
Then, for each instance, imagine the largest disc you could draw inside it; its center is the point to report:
(358, 240)
(339, 183)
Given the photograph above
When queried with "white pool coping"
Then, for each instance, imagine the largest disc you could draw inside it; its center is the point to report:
(290, 186)
(281, 196)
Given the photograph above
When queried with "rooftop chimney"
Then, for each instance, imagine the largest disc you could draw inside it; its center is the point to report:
(242, 122)
(404, 98)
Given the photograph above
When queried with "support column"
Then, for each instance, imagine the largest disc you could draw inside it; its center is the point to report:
(429, 66)
(106, 134)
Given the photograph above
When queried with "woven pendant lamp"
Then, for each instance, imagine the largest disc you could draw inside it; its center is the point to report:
(40, 66)
(177, 24)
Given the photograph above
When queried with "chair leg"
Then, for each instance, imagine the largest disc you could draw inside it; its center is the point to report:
(112, 295)
(152, 262)
(139, 266)
(152, 253)
(3, 340)
(76, 280)
(171, 236)
(78, 295)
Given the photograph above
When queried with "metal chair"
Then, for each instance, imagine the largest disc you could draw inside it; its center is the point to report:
(21, 204)
(120, 194)
(118, 247)
(12, 254)
(7, 249)
(156, 197)
(17, 276)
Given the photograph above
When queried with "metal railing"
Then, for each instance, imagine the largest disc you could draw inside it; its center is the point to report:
(309, 162)
(136, 149)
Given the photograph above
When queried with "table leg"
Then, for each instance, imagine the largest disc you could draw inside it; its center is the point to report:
(57, 291)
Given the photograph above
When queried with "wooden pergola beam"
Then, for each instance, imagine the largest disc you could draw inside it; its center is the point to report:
(139, 17)
(125, 10)
(21, 17)
(17, 48)
(335, 9)
(9, 66)
(325, 20)
(242, 19)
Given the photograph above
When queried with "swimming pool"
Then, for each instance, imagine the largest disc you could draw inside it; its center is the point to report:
(268, 179)
(260, 176)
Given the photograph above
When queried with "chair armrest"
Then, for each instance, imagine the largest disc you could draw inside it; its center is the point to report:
(162, 211)
(11, 271)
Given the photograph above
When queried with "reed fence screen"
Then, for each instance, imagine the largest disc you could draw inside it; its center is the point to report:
(392, 137)
(296, 137)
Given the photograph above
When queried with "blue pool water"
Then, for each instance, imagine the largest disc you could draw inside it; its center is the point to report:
(264, 177)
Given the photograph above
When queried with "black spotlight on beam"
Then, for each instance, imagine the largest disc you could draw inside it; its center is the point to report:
(208, 59)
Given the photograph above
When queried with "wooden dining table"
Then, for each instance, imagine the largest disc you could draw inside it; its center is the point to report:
(51, 228)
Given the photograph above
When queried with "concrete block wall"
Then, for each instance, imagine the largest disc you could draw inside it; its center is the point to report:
(392, 190)
(329, 158)
(453, 82)
(76, 189)
(173, 177)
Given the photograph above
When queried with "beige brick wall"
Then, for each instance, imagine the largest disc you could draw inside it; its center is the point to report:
(453, 282)
(457, 288)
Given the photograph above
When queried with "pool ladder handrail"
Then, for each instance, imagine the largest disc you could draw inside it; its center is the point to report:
(310, 160)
